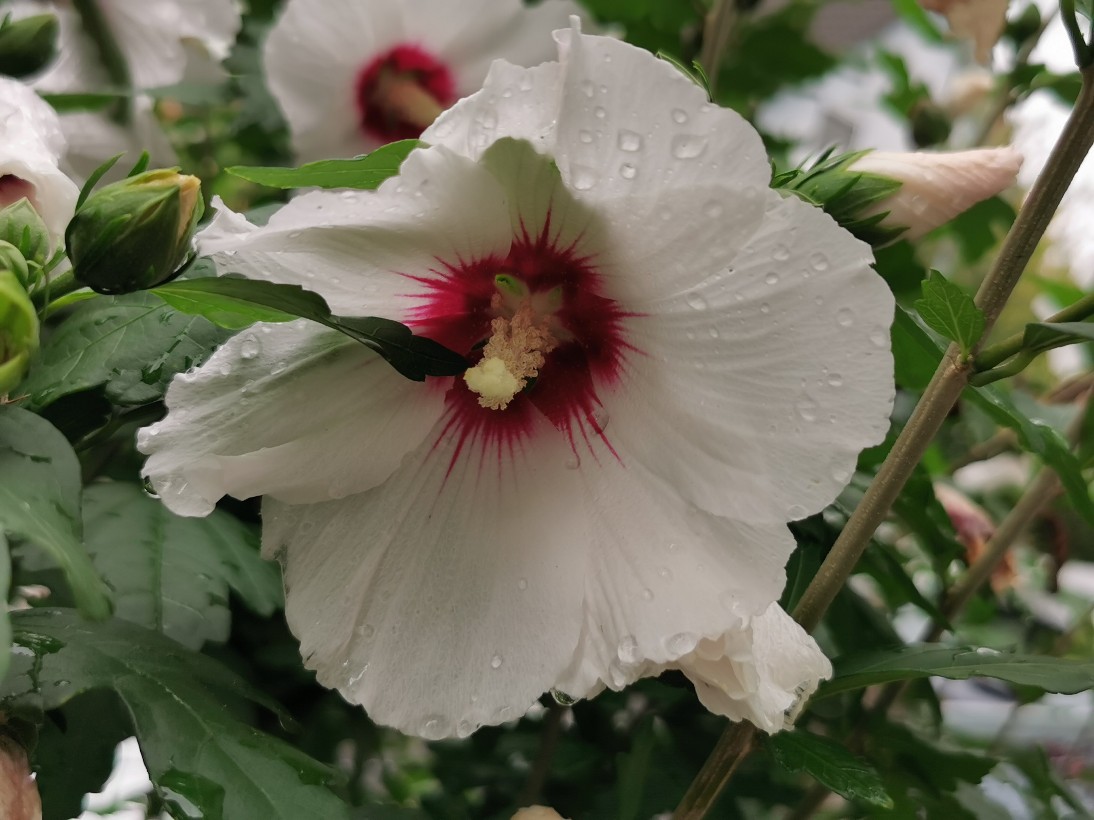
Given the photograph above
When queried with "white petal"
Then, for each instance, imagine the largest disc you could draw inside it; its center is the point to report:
(298, 412)
(477, 32)
(764, 381)
(514, 102)
(762, 675)
(447, 598)
(313, 56)
(357, 249)
(94, 138)
(631, 128)
(30, 144)
(662, 575)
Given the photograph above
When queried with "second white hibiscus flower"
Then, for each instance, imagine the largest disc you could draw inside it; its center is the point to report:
(687, 361)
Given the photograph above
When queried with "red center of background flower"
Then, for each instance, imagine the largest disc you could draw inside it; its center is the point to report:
(380, 115)
(13, 188)
(590, 354)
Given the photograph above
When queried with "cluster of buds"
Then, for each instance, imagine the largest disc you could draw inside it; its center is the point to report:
(881, 197)
(135, 234)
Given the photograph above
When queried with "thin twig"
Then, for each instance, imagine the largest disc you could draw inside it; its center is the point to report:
(541, 767)
(717, 29)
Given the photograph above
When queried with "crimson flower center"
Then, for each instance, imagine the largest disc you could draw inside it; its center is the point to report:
(543, 339)
(13, 188)
(401, 92)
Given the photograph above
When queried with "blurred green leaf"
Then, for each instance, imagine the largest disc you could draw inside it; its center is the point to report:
(133, 344)
(235, 302)
(980, 228)
(172, 574)
(633, 771)
(949, 310)
(5, 621)
(202, 759)
(907, 662)
(363, 173)
(830, 764)
(40, 501)
(1041, 336)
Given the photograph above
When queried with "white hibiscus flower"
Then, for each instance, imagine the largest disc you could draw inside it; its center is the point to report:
(30, 147)
(351, 75)
(677, 362)
(160, 41)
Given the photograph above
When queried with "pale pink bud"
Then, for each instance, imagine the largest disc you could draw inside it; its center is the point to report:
(981, 21)
(936, 187)
(19, 798)
(974, 527)
(537, 813)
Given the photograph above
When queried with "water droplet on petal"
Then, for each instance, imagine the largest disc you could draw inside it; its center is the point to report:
(585, 136)
(628, 171)
(496, 662)
(696, 301)
(434, 728)
(688, 146)
(835, 380)
(819, 261)
(664, 572)
(587, 88)
(573, 462)
(600, 112)
(879, 337)
(796, 512)
(629, 141)
(647, 594)
(772, 278)
(562, 699)
(681, 643)
(765, 308)
(366, 631)
(628, 650)
(584, 177)
(807, 409)
(845, 317)
(465, 728)
(522, 584)
(679, 115)
(781, 253)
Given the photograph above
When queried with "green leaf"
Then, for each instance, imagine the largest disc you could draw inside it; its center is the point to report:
(830, 764)
(40, 501)
(132, 344)
(1040, 438)
(633, 768)
(914, 351)
(5, 621)
(956, 663)
(364, 173)
(1042, 336)
(74, 754)
(172, 574)
(236, 302)
(202, 760)
(949, 310)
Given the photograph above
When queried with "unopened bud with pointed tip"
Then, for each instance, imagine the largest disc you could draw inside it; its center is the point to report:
(22, 226)
(934, 186)
(135, 234)
(28, 45)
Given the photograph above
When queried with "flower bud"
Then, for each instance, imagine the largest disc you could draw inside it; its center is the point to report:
(19, 798)
(981, 21)
(134, 234)
(28, 45)
(936, 187)
(18, 331)
(22, 226)
(974, 527)
(536, 813)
